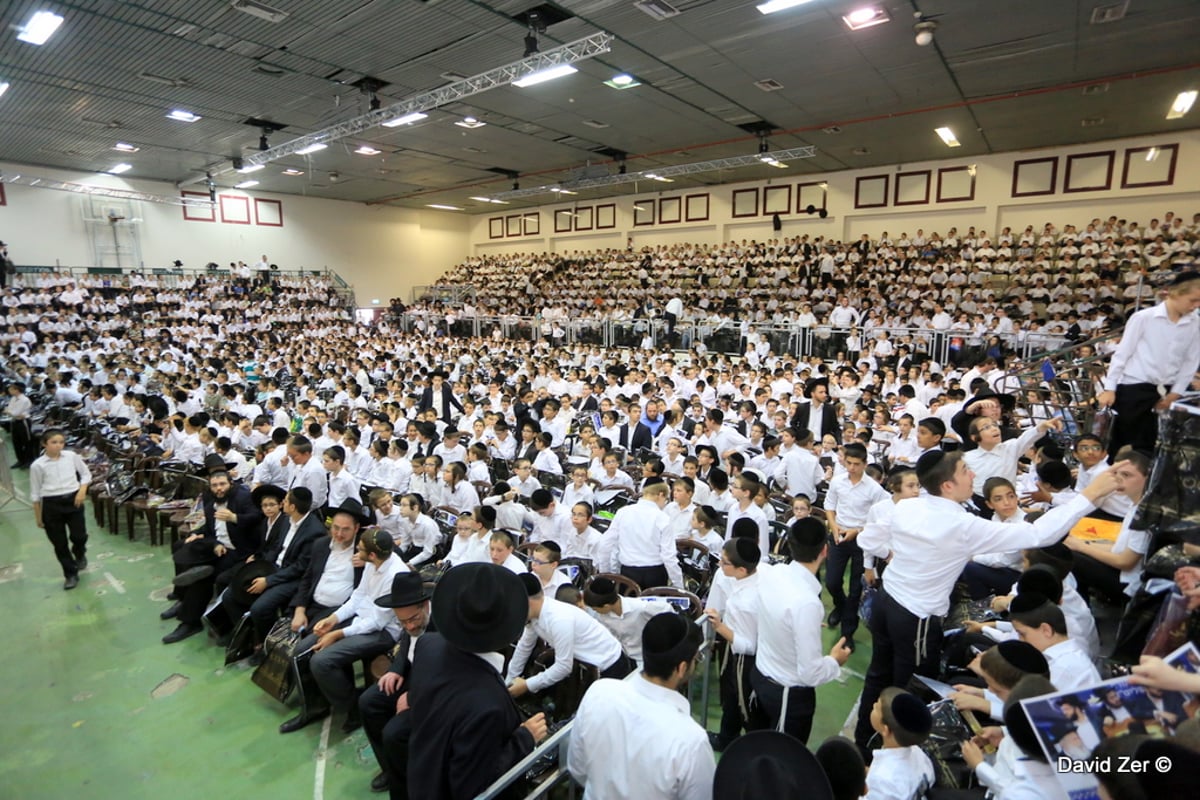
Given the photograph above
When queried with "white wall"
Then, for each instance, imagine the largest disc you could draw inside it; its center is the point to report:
(992, 208)
(383, 251)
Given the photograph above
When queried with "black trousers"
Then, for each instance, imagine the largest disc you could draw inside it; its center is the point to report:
(1136, 423)
(388, 733)
(1093, 576)
(902, 645)
(737, 710)
(647, 577)
(25, 447)
(61, 520)
(619, 668)
(194, 599)
(786, 708)
(841, 555)
(982, 580)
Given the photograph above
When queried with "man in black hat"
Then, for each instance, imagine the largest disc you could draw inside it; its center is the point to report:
(358, 629)
(818, 414)
(439, 397)
(383, 707)
(636, 738)
(466, 729)
(771, 764)
(230, 534)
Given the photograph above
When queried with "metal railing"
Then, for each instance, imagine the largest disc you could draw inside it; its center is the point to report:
(559, 742)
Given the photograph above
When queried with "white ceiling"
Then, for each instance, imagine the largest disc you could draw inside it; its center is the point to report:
(1004, 75)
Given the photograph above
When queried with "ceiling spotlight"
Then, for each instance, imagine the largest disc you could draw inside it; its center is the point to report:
(865, 18)
(119, 168)
(312, 148)
(245, 184)
(263, 144)
(924, 29)
(470, 122)
(40, 28)
(122, 146)
(947, 136)
(181, 115)
(367, 150)
(334, 177)
(406, 119)
(531, 44)
(375, 104)
(622, 81)
(1182, 105)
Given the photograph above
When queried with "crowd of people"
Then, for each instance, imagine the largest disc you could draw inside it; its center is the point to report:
(349, 466)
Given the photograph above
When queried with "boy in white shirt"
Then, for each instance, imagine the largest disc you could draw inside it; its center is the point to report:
(900, 769)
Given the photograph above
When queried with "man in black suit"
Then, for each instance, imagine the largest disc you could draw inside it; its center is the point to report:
(466, 729)
(229, 536)
(325, 585)
(634, 434)
(289, 555)
(383, 707)
(817, 390)
(439, 397)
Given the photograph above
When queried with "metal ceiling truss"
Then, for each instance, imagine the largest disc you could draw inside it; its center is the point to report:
(569, 53)
(104, 191)
(794, 154)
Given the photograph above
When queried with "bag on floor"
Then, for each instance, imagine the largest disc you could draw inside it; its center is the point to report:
(275, 675)
(241, 641)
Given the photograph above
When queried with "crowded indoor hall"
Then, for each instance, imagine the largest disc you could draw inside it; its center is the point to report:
(429, 445)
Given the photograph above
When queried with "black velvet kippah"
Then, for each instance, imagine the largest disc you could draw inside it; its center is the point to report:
(663, 633)
(1027, 601)
(532, 584)
(911, 714)
(809, 531)
(747, 549)
(929, 460)
(1040, 579)
(1024, 657)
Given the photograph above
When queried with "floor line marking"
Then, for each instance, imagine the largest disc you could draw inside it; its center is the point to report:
(118, 587)
(322, 752)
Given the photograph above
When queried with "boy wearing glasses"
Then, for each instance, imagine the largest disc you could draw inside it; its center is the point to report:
(1093, 459)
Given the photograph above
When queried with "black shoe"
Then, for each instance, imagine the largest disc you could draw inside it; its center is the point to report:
(835, 617)
(193, 575)
(71, 582)
(379, 783)
(351, 724)
(171, 612)
(181, 632)
(81, 562)
(172, 596)
(299, 721)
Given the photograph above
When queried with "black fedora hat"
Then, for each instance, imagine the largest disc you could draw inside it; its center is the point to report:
(480, 607)
(407, 590)
(195, 553)
(265, 490)
(353, 508)
(1007, 401)
(246, 574)
(214, 463)
(769, 764)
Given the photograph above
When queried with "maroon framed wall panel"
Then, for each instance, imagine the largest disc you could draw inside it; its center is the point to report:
(1039, 187)
(948, 178)
(921, 180)
(1076, 163)
(695, 207)
(1134, 157)
(871, 191)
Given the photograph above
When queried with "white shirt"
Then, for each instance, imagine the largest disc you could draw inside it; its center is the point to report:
(640, 536)
(556, 528)
(53, 477)
(627, 626)
(312, 477)
(850, 502)
(423, 533)
(789, 627)
(337, 580)
(1001, 460)
(634, 738)
(681, 519)
(342, 486)
(581, 545)
(758, 516)
(899, 773)
(574, 636)
(287, 538)
(1117, 504)
(801, 472)
(1138, 542)
(368, 617)
(932, 538)
(742, 612)
(1071, 668)
(1155, 350)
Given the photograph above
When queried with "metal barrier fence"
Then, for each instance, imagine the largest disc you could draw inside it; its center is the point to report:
(560, 741)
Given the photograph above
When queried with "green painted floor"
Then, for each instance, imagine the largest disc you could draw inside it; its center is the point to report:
(82, 719)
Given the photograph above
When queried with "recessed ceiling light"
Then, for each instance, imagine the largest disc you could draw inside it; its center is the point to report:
(543, 75)
(122, 146)
(947, 136)
(312, 148)
(183, 116)
(470, 122)
(40, 28)
(245, 184)
(367, 150)
(252, 168)
(407, 119)
(866, 17)
(1182, 105)
(292, 171)
(443, 208)
(622, 80)
(772, 6)
(119, 169)
(3, 87)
